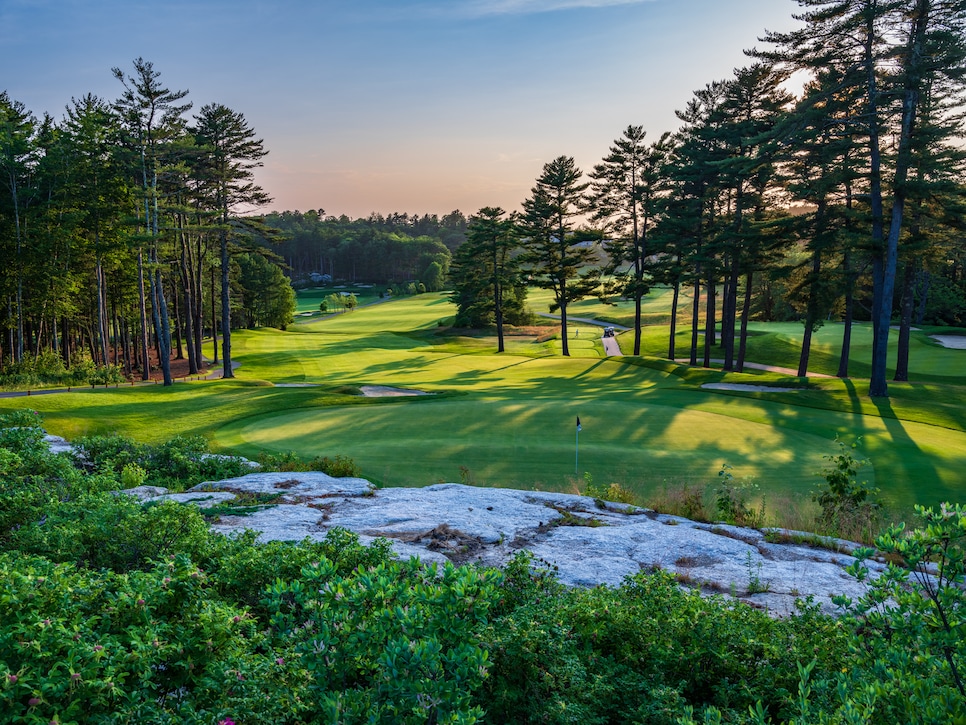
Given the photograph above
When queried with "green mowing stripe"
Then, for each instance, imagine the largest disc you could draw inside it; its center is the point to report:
(509, 418)
(524, 442)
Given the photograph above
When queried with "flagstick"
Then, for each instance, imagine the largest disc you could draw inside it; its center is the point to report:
(577, 452)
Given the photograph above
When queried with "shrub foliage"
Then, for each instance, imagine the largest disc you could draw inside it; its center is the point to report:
(114, 612)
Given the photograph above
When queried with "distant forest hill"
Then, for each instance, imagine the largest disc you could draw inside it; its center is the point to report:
(381, 249)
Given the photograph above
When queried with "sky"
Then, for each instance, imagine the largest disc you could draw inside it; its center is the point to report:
(419, 106)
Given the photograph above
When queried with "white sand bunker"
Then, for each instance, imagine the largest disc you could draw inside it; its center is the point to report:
(957, 342)
(384, 391)
(752, 388)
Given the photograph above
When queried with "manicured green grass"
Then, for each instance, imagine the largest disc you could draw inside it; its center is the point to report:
(509, 420)
(307, 300)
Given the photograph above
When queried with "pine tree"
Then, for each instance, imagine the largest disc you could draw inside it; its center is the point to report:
(561, 258)
(230, 153)
(627, 192)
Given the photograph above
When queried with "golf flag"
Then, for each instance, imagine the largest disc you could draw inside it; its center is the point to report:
(578, 424)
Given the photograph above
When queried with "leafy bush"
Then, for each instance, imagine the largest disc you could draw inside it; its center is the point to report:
(98, 647)
(395, 643)
(642, 652)
(48, 368)
(337, 467)
(288, 461)
(177, 464)
(105, 531)
(614, 492)
(731, 501)
(849, 507)
(910, 629)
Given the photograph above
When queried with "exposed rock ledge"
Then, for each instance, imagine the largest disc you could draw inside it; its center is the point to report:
(587, 544)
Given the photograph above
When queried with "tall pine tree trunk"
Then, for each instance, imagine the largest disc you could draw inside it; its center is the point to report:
(145, 361)
(745, 314)
(709, 319)
(811, 313)
(674, 320)
(843, 371)
(225, 308)
(919, 22)
(905, 324)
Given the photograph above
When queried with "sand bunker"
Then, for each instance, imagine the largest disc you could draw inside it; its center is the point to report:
(752, 388)
(384, 391)
(957, 342)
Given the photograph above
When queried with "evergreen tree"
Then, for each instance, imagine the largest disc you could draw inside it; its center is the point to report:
(231, 152)
(153, 118)
(626, 194)
(561, 258)
(486, 274)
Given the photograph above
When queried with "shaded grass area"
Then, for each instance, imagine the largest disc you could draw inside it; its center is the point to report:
(307, 300)
(509, 420)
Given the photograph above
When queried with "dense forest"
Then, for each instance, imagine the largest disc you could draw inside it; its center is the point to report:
(126, 226)
(123, 232)
(379, 249)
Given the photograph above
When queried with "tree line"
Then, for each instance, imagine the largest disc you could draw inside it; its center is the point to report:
(123, 233)
(391, 249)
(847, 196)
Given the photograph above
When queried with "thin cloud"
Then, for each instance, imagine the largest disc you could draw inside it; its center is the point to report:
(530, 7)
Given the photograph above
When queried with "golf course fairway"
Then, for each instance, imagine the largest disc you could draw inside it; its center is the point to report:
(509, 419)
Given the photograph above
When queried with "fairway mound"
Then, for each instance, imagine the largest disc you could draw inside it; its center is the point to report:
(956, 342)
(384, 391)
(587, 542)
(749, 388)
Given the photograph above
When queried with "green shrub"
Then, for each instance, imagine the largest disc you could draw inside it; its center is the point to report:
(288, 461)
(241, 571)
(179, 463)
(642, 652)
(731, 501)
(394, 643)
(910, 629)
(337, 467)
(132, 475)
(98, 647)
(850, 508)
(105, 531)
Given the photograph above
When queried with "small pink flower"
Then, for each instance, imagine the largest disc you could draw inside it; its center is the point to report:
(33, 702)
(279, 661)
(226, 721)
(12, 679)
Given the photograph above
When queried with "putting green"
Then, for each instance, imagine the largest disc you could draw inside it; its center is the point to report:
(534, 443)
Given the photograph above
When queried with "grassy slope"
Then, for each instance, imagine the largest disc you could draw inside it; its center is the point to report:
(509, 420)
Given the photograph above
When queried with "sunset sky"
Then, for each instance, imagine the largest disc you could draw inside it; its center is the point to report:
(397, 105)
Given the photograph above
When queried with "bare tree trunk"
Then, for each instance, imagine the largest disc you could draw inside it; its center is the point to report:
(905, 324)
(145, 362)
(709, 320)
(674, 321)
(745, 314)
(695, 318)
